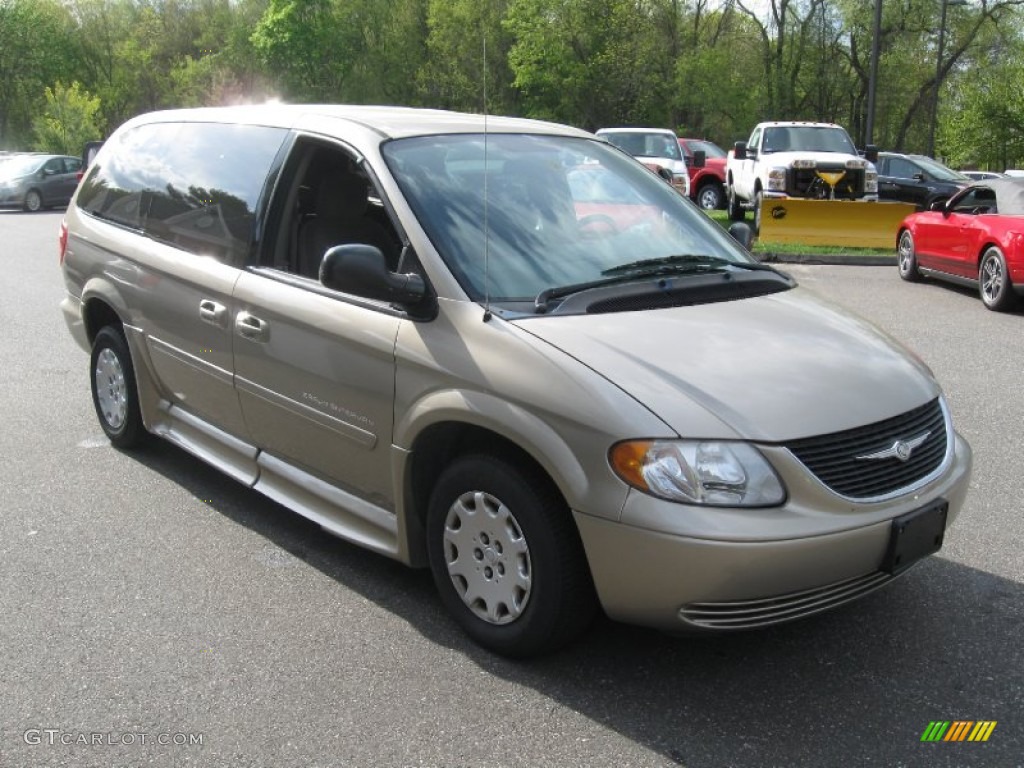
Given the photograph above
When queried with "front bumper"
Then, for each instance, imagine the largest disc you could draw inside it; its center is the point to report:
(736, 576)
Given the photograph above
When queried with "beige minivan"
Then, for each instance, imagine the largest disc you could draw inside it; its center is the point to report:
(505, 350)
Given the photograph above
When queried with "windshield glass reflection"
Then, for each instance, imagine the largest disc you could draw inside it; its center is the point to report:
(559, 211)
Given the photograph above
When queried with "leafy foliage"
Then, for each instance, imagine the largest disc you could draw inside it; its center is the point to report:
(68, 120)
(708, 68)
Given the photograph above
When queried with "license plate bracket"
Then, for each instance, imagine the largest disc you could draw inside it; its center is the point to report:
(915, 535)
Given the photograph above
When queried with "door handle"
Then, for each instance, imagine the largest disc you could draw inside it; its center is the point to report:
(251, 327)
(212, 312)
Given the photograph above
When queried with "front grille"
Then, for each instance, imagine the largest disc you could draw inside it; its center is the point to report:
(804, 182)
(750, 614)
(837, 459)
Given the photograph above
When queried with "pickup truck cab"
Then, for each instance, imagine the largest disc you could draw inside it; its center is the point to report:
(657, 148)
(707, 179)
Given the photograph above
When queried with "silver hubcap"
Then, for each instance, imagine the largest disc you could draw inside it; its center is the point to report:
(991, 278)
(487, 557)
(708, 198)
(110, 389)
(33, 201)
(906, 254)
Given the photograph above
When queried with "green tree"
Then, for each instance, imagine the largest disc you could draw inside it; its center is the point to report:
(586, 62)
(68, 120)
(34, 34)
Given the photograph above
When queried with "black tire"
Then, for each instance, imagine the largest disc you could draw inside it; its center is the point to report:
(33, 201)
(994, 281)
(114, 394)
(528, 590)
(906, 257)
(757, 212)
(736, 212)
(710, 196)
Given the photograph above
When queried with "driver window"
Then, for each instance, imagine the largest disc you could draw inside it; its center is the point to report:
(330, 201)
(978, 201)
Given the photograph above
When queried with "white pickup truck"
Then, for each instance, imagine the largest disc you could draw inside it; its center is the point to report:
(797, 159)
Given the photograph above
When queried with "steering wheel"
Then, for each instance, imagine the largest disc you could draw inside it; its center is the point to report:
(595, 223)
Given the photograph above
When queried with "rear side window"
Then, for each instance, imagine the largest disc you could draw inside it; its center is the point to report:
(191, 185)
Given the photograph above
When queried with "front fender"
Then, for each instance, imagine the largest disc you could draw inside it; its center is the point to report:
(520, 426)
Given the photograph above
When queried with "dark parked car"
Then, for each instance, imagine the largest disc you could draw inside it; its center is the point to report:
(917, 179)
(975, 239)
(34, 182)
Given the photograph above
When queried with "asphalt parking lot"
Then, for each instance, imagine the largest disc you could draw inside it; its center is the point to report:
(156, 613)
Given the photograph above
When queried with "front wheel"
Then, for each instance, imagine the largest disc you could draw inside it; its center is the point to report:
(506, 557)
(994, 281)
(33, 201)
(757, 212)
(710, 196)
(908, 258)
(114, 393)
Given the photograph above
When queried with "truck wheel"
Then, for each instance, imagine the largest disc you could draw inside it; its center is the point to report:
(709, 196)
(735, 209)
(757, 212)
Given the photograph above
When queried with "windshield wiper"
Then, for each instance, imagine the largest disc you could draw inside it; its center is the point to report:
(540, 304)
(638, 270)
(683, 262)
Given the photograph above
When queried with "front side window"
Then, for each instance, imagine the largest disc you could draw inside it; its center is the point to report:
(191, 185)
(514, 215)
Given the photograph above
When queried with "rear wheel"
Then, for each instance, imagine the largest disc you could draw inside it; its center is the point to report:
(33, 201)
(994, 281)
(506, 557)
(907, 258)
(114, 394)
(735, 209)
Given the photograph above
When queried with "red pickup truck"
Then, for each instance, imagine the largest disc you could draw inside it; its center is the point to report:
(707, 183)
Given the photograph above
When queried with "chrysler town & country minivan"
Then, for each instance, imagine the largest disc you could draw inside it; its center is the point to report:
(506, 351)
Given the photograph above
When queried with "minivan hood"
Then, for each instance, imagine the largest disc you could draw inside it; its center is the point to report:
(772, 368)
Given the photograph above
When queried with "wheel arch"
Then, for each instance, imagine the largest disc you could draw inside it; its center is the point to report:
(454, 424)
(102, 306)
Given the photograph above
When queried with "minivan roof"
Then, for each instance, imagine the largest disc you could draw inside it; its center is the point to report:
(389, 122)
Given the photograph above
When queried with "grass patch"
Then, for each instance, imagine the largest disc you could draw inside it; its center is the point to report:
(722, 218)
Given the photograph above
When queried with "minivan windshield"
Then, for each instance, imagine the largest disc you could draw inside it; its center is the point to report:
(517, 215)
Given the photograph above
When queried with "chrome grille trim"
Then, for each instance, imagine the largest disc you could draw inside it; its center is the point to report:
(834, 459)
(751, 614)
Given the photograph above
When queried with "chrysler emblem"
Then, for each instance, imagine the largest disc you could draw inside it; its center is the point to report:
(901, 449)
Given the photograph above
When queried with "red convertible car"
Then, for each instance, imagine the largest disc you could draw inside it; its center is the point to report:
(975, 239)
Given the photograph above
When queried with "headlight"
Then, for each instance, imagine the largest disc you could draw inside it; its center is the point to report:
(707, 472)
(777, 178)
(856, 164)
(804, 162)
(870, 181)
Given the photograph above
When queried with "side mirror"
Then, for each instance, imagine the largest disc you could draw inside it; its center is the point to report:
(362, 271)
(940, 205)
(919, 177)
(665, 173)
(871, 153)
(700, 159)
(742, 234)
(739, 150)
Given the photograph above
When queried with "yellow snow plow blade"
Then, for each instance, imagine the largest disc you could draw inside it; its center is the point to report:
(853, 223)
